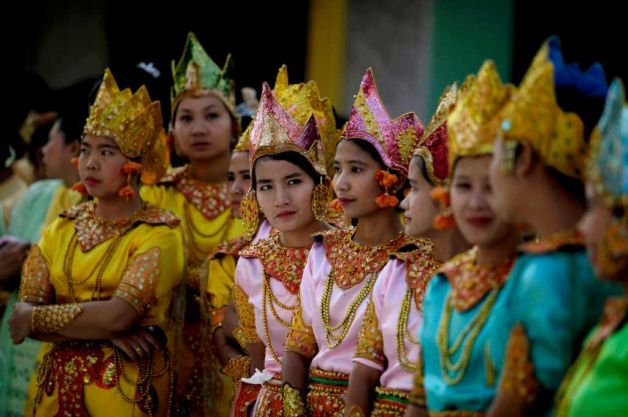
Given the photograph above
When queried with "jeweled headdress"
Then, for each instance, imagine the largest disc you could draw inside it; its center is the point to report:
(133, 121)
(395, 139)
(607, 167)
(432, 146)
(474, 122)
(533, 114)
(197, 75)
(275, 131)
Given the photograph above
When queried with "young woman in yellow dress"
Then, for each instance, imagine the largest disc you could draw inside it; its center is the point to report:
(99, 284)
(370, 164)
(204, 126)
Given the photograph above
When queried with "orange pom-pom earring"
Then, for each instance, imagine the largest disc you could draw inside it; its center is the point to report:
(74, 162)
(445, 219)
(335, 205)
(129, 169)
(386, 180)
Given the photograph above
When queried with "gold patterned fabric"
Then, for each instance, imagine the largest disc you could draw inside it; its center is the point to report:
(91, 230)
(517, 379)
(279, 262)
(370, 339)
(300, 338)
(352, 262)
(245, 333)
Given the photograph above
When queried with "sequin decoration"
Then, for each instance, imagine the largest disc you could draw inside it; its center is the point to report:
(245, 333)
(370, 339)
(35, 286)
(420, 268)
(518, 380)
(554, 242)
(352, 262)
(471, 282)
(91, 230)
(281, 263)
(300, 337)
(139, 280)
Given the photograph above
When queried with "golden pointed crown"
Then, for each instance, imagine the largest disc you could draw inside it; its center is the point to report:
(302, 100)
(474, 122)
(244, 141)
(133, 121)
(533, 115)
(197, 75)
(275, 131)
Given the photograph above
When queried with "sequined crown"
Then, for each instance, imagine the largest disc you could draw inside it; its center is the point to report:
(197, 75)
(533, 115)
(395, 139)
(133, 121)
(607, 167)
(275, 131)
(432, 146)
(474, 122)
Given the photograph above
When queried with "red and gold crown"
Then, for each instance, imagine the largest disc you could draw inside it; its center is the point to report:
(395, 139)
(275, 131)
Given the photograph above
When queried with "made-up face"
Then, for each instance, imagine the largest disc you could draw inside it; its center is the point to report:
(202, 128)
(354, 180)
(419, 208)
(471, 195)
(602, 232)
(284, 194)
(239, 179)
(100, 166)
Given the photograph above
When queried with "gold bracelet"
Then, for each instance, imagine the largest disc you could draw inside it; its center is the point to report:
(54, 318)
(238, 368)
(356, 411)
(292, 401)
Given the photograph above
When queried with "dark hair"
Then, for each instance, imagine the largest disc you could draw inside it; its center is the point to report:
(368, 148)
(71, 123)
(574, 186)
(292, 157)
(423, 167)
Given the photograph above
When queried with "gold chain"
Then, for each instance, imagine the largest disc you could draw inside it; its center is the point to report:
(472, 329)
(333, 340)
(100, 266)
(402, 334)
(269, 298)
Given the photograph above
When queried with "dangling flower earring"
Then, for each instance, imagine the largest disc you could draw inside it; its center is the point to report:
(250, 213)
(386, 180)
(129, 169)
(320, 201)
(445, 219)
(79, 187)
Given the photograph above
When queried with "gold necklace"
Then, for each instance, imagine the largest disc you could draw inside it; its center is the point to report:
(334, 335)
(402, 333)
(472, 329)
(269, 298)
(100, 266)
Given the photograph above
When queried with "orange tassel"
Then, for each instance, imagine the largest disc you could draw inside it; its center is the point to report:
(131, 167)
(126, 191)
(335, 205)
(74, 162)
(444, 221)
(386, 201)
(440, 194)
(385, 179)
(79, 187)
